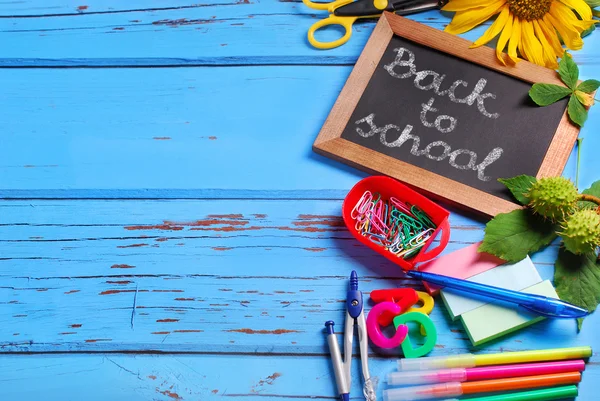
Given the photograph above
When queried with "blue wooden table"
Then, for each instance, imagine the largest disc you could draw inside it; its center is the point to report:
(166, 232)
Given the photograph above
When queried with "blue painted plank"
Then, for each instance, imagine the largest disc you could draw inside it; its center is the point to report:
(154, 62)
(203, 276)
(58, 8)
(184, 33)
(158, 193)
(233, 31)
(194, 377)
(172, 134)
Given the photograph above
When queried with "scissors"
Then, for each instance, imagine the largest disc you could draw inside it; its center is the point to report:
(346, 12)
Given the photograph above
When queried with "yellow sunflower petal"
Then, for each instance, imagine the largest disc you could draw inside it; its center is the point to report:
(552, 37)
(495, 29)
(549, 54)
(570, 15)
(532, 48)
(461, 5)
(464, 21)
(569, 34)
(520, 43)
(580, 6)
(503, 39)
(514, 40)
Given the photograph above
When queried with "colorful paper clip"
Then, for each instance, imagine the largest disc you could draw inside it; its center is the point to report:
(400, 228)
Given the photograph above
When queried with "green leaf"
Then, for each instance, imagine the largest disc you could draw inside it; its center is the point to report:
(545, 94)
(519, 186)
(512, 236)
(588, 86)
(593, 190)
(596, 13)
(568, 71)
(577, 112)
(593, 3)
(588, 31)
(577, 280)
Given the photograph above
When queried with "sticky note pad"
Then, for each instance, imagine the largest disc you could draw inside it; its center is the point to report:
(515, 276)
(464, 263)
(491, 321)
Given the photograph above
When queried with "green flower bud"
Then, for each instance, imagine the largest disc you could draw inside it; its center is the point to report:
(581, 232)
(553, 197)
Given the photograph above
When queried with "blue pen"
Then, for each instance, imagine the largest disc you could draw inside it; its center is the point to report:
(546, 306)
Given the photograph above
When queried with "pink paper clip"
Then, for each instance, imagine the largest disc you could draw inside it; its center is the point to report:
(400, 205)
(363, 205)
(377, 223)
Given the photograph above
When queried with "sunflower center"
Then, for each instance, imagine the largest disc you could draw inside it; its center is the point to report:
(529, 9)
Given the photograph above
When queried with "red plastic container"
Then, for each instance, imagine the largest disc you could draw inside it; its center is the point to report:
(389, 187)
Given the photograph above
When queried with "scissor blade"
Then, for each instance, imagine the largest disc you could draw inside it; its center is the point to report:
(413, 6)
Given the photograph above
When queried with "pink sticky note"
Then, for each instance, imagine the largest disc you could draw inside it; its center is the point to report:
(464, 263)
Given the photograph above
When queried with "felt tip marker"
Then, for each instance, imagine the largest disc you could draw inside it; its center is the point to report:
(545, 394)
(454, 389)
(483, 373)
(505, 358)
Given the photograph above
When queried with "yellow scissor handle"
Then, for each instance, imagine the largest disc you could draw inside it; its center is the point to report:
(345, 22)
(329, 6)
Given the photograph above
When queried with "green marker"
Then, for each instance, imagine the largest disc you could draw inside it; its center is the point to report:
(547, 394)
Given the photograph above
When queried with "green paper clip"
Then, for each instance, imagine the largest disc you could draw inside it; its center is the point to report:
(430, 338)
(422, 217)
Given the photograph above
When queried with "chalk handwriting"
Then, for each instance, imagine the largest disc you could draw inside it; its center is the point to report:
(438, 120)
(405, 135)
(405, 58)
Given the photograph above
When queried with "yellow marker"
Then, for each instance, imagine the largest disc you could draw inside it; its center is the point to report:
(470, 360)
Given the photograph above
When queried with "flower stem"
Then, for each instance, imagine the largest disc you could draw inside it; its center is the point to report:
(579, 141)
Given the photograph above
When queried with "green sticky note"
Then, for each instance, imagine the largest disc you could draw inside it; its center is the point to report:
(491, 321)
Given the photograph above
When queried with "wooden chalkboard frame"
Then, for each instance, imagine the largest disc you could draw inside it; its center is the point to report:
(330, 143)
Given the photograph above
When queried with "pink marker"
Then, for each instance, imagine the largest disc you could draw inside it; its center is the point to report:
(483, 373)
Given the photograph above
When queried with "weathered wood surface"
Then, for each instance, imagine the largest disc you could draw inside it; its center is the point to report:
(200, 278)
(167, 233)
(188, 377)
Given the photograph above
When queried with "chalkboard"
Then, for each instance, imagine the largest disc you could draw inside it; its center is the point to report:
(423, 107)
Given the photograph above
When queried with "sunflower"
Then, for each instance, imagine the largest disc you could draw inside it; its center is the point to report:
(533, 27)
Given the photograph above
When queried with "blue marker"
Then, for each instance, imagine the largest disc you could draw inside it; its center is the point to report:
(546, 306)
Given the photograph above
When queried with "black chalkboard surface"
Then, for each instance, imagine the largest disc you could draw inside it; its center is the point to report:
(486, 115)
(424, 108)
